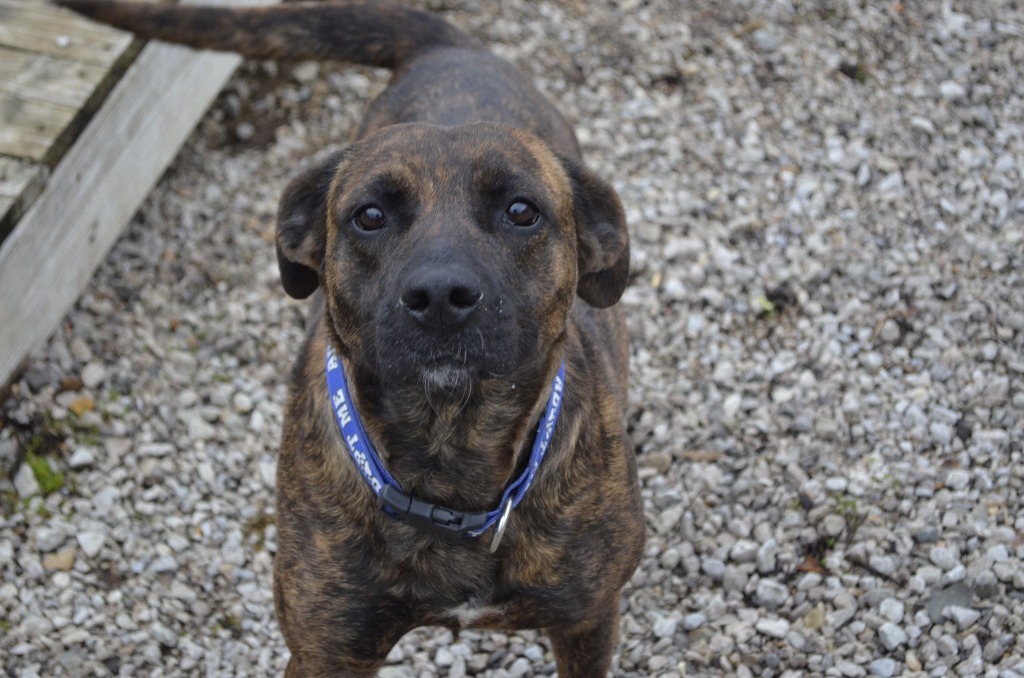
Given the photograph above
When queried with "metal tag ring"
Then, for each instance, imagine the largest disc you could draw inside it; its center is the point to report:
(499, 529)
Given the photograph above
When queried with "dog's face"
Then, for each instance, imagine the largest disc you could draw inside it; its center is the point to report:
(450, 254)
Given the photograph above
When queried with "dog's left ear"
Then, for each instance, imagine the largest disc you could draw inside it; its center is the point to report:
(302, 228)
(602, 241)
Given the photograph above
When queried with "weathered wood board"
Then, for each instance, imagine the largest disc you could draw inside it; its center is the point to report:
(21, 182)
(54, 67)
(40, 28)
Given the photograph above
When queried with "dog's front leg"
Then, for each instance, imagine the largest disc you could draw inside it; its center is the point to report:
(330, 634)
(297, 670)
(308, 666)
(585, 650)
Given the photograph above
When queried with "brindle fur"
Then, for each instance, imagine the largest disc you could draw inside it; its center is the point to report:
(453, 410)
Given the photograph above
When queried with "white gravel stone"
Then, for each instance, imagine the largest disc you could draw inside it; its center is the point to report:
(670, 559)
(25, 482)
(848, 668)
(767, 556)
(963, 616)
(163, 635)
(883, 564)
(306, 72)
(958, 479)
(669, 519)
(241, 403)
(744, 551)
(665, 627)
(713, 568)
(520, 667)
(81, 458)
(952, 91)
(891, 635)
(198, 428)
(91, 542)
(773, 628)
(771, 594)
(884, 667)
(833, 525)
(836, 484)
(694, 621)
(50, 538)
(164, 564)
(944, 557)
(93, 375)
(443, 657)
(892, 609)
(156, 450)
(941, 433)
(105, 499)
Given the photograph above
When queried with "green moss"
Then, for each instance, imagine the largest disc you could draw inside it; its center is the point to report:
(49, 480)
(855, 71)
(231, 624)
(765, 304)
(87, 434)
(257, 527)
(8, 502)
(47, 437)
(847, 507)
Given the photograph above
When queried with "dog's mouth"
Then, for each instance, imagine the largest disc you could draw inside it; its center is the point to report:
(451, 364)
(447, 378)
(447, 362)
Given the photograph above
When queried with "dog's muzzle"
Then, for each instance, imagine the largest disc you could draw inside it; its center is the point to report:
(446, 325)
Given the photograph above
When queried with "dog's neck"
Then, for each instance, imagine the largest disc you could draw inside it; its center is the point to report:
(462, 448)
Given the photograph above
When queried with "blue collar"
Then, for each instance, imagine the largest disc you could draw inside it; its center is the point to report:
(424, 515)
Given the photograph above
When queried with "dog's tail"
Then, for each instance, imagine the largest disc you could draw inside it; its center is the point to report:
(356, 31)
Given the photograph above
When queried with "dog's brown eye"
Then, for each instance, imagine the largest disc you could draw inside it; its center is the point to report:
(522, 213)
(370, 218)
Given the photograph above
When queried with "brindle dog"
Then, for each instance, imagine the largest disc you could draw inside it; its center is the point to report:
(461, 252)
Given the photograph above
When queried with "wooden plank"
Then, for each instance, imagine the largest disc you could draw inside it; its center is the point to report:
(29, 127)
(15, 176)
(97, 187)
(58, 80)
(35, 26)
(48, 94)
(21, 183)
(45, 100)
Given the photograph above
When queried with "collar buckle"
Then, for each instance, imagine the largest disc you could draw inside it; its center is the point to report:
(427, 516)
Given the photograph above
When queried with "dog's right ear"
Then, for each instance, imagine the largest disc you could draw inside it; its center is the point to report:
(302, 228)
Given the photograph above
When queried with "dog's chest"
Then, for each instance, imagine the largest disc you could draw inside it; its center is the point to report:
(520, 612)
(473, 613)
(502, 605)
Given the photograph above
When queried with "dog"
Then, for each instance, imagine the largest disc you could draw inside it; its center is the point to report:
(454, 451)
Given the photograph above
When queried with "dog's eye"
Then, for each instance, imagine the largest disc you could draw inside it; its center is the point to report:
(522, 213)
(370, 218)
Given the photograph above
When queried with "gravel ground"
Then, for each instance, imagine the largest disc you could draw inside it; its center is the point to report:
(828, 341)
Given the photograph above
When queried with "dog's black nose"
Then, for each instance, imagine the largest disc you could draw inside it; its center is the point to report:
(442, 298)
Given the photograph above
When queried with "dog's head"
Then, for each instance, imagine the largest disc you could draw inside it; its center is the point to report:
(449, 254)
